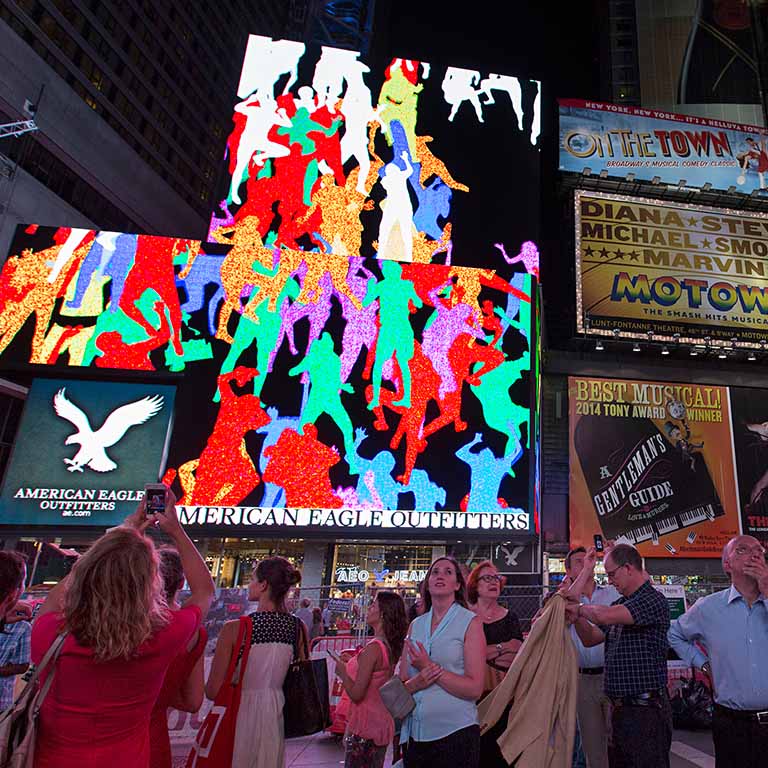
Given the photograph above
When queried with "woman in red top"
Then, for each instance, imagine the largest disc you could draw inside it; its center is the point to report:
(184, 684)
(122, 639)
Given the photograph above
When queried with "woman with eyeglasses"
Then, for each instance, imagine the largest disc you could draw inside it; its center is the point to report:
(503, 638)
(443, 669)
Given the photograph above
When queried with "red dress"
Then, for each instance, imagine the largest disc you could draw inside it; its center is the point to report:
(178, 672)
(97, 714)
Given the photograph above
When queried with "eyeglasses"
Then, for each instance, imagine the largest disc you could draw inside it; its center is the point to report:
(489, 578)
(611, 574)
(759, 551)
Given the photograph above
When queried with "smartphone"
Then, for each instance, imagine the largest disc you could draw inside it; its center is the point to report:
(155, 496)
(598, 542)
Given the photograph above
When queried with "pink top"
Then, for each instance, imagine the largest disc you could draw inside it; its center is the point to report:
(97, 713)
(369, 717)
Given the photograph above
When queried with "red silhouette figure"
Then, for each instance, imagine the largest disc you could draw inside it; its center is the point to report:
(224, 474)
(153, 269)
(299, 463)
(424, 387)
(118, 354)
(462, 356)
(426, 280)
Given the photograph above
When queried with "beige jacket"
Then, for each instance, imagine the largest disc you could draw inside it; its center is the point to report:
(542, 683)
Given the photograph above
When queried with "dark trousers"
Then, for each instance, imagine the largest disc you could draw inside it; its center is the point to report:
(461, 748)
(739, 743)
(641, 736)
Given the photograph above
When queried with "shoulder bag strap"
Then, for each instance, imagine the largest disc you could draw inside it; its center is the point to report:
(50, 659)
(302, 640)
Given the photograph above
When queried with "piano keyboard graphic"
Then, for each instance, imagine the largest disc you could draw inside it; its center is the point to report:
(666, 525)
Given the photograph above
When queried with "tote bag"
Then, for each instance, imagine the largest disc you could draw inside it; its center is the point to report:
(18, 725)
(306, 709)
(215, 740)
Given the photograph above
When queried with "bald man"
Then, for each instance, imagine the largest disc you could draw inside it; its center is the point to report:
(732, 625)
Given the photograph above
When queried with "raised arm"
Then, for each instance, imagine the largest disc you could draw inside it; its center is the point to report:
(195, 570)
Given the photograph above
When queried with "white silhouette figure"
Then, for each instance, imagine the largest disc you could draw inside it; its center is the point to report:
(93, 445)
(536, 123)
(260, 118)
(330, 71)
(397, 210)
(357, 109)
(458, 87)
(76, 236)
(265, 61)
(509, 84)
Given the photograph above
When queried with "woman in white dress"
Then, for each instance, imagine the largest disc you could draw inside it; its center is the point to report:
(259, 740)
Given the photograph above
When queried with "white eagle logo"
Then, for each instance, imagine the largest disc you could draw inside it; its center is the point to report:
(93, 445)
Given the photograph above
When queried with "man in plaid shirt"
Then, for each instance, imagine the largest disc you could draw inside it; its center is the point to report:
(634, 629)
(14, 631)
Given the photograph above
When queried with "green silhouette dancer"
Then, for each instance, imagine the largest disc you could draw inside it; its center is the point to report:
(323, 366)
(265, 332)
(499, 412)
(395, 332)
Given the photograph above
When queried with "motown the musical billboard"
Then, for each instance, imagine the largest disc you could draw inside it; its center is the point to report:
(681, 272)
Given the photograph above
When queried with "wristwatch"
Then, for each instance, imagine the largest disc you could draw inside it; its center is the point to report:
(499, 648)
(706, 668)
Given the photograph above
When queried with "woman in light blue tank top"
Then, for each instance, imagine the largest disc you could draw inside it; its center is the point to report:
(443, 668)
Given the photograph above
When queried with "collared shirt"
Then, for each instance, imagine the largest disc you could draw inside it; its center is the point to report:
(594, 656)
(14, 649)
(438, 713)
(736, 639)
(636, 654)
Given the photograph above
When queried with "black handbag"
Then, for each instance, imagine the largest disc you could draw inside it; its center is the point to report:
(307, 707)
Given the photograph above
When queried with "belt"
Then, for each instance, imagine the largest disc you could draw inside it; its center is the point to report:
(590, 670)
(753, 715)
(645, 699)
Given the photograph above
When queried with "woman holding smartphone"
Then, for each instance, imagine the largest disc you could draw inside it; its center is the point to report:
(445, 655)
(370, 727)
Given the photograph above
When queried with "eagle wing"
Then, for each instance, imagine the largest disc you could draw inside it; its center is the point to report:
(126, 416)
(69, 411)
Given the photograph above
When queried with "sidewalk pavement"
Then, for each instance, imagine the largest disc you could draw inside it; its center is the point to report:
(689, 750)
(318, 751)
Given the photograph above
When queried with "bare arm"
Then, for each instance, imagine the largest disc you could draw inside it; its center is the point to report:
(588, 633)
(192, 691)
(366, 664)
(195, 570)
(225, 646)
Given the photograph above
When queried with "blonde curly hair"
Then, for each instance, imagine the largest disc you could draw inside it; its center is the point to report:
(115, 600)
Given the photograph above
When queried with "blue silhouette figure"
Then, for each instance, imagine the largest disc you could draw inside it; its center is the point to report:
(273, 493)
(487, 473)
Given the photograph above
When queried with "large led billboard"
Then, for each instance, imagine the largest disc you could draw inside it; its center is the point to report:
(396, 159)
(679, 272)
(318, 390)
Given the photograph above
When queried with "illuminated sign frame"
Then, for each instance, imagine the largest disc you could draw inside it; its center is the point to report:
(662, 328)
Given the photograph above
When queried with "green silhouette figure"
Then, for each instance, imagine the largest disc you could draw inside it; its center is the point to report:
(395, 333)
(323, 366)
(265, 332)
(499, 412)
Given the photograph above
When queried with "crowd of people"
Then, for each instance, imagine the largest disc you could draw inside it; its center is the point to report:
(130, 650)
